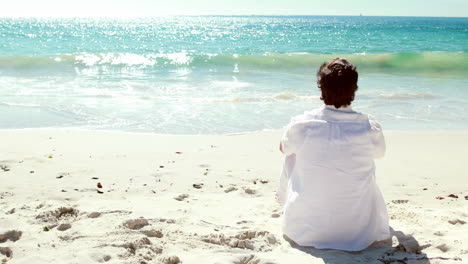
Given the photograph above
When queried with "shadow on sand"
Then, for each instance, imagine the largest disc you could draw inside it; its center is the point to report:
(408, 251)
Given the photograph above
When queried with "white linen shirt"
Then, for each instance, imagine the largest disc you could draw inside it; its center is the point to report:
(328, 186)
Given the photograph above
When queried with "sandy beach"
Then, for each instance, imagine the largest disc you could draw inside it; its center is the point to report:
(209, 199)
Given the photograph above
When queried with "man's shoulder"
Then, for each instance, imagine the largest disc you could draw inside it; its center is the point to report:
(307, 120)
(370, 121)
(307, 116)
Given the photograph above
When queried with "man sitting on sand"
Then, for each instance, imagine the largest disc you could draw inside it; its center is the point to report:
(328, 186)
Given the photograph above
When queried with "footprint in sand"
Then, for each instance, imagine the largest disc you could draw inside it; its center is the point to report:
(141, 248)
(253, 240)
(60, 214)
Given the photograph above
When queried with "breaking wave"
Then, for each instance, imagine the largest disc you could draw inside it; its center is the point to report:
(423, 61)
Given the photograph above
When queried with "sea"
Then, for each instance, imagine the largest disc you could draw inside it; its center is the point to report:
(192, 75)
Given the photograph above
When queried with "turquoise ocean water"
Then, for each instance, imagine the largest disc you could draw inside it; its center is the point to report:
(217, 75)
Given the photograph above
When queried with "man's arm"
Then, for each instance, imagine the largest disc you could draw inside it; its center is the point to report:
(282, 192)
(378, 139)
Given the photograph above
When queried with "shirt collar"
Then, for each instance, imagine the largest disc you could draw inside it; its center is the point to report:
(341, 109)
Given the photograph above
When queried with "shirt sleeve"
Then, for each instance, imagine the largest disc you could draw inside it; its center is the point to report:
(288, 166)
(377, 137)
(292, 138)
(283, 183)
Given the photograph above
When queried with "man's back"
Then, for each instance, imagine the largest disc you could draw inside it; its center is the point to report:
(328, 184)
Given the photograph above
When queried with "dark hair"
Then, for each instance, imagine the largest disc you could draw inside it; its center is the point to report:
(337, 79)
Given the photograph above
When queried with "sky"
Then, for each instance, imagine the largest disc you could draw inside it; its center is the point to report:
(144, 8)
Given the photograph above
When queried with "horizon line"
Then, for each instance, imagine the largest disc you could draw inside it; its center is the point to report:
(232, 15)
(226, 15)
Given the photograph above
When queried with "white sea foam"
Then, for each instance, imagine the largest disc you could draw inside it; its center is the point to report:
(20, 104)
(128, 59)
(179, 58)
(236, 99)
(405, 96)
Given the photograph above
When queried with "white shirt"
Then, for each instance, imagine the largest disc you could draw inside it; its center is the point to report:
(328, 186)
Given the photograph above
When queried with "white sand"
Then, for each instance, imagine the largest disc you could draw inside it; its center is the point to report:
(142, 175)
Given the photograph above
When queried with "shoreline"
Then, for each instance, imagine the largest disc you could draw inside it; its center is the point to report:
(206, 198)
(86, 130)
(272, 130)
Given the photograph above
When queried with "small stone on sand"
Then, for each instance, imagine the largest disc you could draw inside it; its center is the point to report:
(181, 197)
(136, 223)
(94, 215)
(63, 227)
(443, 247)
(230, 189)
(172, 260)
(197, 185)
(457, 221)
(153, 233)
(250, 191)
